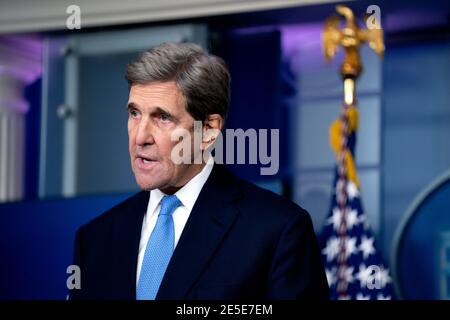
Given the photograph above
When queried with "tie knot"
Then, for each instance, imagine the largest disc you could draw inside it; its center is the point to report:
(169, 204)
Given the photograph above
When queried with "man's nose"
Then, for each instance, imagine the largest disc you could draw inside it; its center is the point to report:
(144, 133)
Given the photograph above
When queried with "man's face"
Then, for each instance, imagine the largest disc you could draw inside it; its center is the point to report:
(155, 111)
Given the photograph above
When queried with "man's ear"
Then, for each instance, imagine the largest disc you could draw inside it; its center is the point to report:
(211, 129)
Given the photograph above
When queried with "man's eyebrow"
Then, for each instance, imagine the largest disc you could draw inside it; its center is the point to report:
(156, 110)
(162, 110)
(130, 106)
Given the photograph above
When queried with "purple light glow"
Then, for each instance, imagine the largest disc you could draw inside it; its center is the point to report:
(410, 20)
(15, 105)
(302, 46)
(21, 57)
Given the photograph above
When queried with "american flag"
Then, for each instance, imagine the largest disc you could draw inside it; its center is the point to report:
(353, 267)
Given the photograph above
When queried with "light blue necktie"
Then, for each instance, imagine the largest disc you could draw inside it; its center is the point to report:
(159, 251)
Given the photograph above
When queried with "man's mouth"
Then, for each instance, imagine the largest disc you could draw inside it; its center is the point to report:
(145, 158)
(144, 162)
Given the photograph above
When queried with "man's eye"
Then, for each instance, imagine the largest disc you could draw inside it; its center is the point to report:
(164, 117)
(133, 113)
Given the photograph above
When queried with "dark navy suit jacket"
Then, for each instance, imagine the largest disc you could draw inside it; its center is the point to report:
(240, 242)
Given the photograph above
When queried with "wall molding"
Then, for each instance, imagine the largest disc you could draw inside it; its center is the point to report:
(46, 15)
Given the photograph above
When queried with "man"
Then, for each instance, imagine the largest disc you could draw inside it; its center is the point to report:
(195, 231)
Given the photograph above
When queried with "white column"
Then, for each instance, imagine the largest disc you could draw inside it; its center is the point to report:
(20, 64)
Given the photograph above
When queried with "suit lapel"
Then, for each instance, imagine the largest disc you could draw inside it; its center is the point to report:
(125, 247)
(211, 217)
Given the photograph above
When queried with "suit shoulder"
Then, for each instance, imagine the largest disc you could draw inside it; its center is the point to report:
(268, 202)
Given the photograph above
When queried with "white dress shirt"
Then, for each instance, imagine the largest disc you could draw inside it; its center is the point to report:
(187, 195)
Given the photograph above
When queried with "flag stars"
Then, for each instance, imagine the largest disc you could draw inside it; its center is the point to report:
(364, 274)
(352, 219)
(352, 190)
(336, 218)
(350, 247)
(332, 248)
(353, 267)
(384, 277)
(366, 246)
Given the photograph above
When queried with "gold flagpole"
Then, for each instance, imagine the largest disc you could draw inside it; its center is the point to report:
(351, 37)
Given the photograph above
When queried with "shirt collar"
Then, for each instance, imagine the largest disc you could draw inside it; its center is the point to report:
(188, 194)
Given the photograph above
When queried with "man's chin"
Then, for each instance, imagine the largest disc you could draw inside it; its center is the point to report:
(149, 185)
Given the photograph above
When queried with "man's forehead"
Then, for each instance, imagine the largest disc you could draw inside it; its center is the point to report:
(156, 88)
(153, 94)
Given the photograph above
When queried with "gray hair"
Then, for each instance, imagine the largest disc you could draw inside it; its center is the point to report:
(203, 79)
